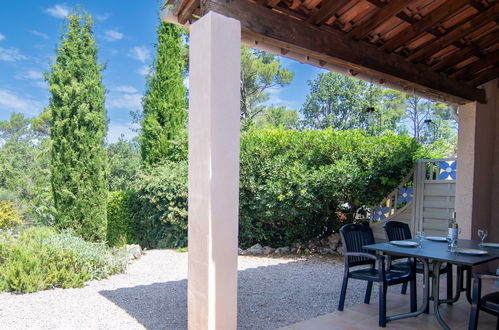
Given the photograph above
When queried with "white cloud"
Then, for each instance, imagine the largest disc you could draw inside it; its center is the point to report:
(140, 53)
(30, 75)
(124, 101)
(11, 55)
(125, 89)
(12, 102)
(116, 130)
(144, 70)
(41, 83)
(58, 11)
(102, 17)
(2, 36)
(39, 34)
(113, 35)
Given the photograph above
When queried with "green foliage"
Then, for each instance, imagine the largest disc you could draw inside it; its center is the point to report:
(260, 71)
(78, 158)
(24, 168)
(40, 258)
(9, 215)
(340, 102)
(159, 207)
(124, 164)
(120, 228)
(277, 117)
(293, 184)
(165, 100)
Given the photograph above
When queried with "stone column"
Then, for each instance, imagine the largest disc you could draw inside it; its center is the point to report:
(477, 167)
(213, 172)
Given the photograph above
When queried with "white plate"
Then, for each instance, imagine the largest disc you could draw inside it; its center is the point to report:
(437, 238)
(404, 243)
(471, 251)
(494, 245)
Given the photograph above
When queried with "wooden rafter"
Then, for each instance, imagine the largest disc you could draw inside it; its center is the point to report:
(326, 11)
(476, 66)
(464, 53)
(385, 13)
(336, 48)
(485, 76)
(428, 21)
(491, 14)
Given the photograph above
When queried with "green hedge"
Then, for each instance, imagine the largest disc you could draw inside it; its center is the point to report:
(159, 206)
(294, 185)
(154, 215)
(120, 223)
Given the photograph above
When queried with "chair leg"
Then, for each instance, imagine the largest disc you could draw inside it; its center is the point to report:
(403, 289)
(475, 305)
(449, 282)
(369, 288)
(382, 304)
(413, 295)
(341, 303)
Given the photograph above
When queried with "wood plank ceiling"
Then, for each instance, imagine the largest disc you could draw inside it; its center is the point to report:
(455, 38)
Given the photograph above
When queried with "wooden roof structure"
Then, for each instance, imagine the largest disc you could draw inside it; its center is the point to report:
(442, 49)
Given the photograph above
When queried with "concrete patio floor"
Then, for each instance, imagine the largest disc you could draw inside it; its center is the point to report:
(363, 316)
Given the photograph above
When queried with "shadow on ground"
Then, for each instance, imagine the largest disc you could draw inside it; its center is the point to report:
(268, 297)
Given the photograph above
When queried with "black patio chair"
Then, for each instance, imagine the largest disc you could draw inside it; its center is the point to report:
(354, 237)
(488, 303)
(397, 231)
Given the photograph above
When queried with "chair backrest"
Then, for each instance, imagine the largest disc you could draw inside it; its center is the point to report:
(354, 237)
(397, 231)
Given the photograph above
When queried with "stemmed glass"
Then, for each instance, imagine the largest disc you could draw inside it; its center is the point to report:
(420, 236)
(482, 233)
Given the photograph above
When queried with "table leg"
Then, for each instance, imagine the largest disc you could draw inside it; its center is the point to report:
(436, 294)
(426, 295)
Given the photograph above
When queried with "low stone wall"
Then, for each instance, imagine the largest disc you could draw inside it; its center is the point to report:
(330, 245)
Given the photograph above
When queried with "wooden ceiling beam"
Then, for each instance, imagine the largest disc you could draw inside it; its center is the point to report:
(461, 54)
(336, 48)
(327, 10)
(445, 10)
(485, 76)
(185, 14)
(476, 66)
(461, 30)
(381, 16)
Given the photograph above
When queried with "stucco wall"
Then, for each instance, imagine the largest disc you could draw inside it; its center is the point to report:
(477, 188)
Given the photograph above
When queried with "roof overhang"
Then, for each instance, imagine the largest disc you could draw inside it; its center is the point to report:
(275, 30)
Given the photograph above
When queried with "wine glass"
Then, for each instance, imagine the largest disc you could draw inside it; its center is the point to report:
(482, 233)
(420, 236)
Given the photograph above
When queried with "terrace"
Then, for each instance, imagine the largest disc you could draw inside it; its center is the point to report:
(446, 50)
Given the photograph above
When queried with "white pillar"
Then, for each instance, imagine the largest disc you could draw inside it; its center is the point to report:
(213, 172)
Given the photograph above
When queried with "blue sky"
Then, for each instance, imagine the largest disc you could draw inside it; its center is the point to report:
(125, 35)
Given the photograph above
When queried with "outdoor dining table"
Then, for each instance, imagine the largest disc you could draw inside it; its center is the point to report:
(436, 253)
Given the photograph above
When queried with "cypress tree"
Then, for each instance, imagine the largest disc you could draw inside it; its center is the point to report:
(165, 99)
(78, 157)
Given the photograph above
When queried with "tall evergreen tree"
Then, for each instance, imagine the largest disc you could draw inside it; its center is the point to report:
(165, 99)
(78, 128)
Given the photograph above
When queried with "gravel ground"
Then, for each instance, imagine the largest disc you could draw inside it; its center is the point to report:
(152, 294)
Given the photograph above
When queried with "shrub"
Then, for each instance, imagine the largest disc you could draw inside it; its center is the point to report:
(159, 206)
(9, 216)
(119, 218)
(39, 258)
(294, 186)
